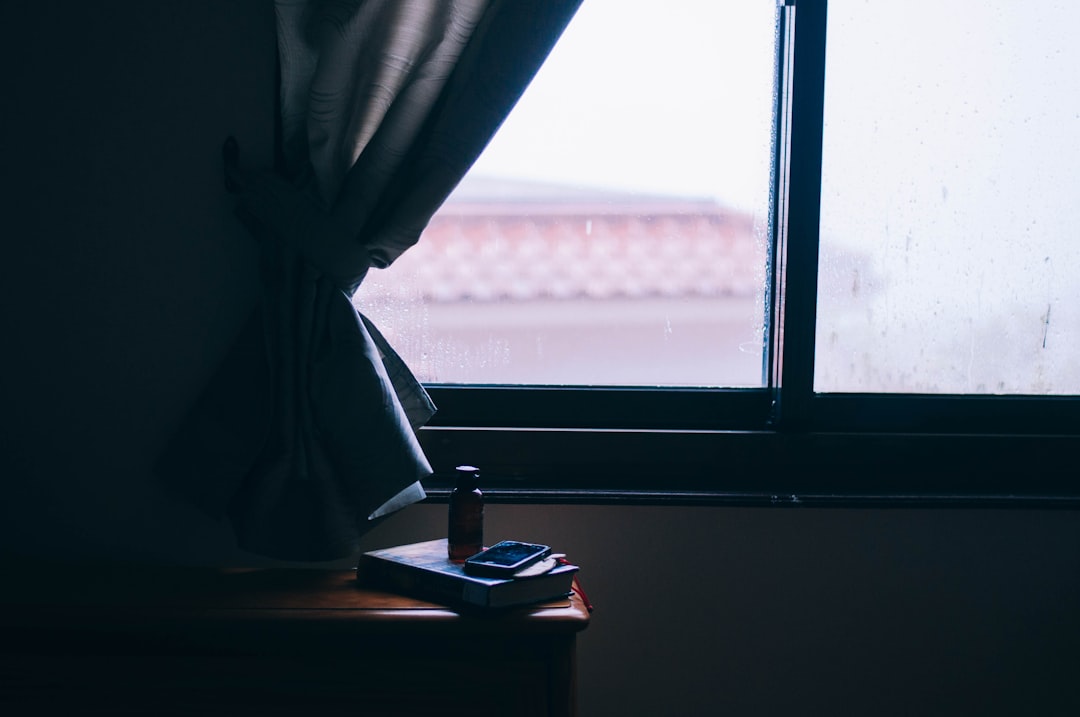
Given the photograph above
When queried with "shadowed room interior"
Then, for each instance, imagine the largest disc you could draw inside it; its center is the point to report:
(127, 273)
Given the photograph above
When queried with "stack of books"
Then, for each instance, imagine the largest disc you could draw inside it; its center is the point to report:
(423, 570)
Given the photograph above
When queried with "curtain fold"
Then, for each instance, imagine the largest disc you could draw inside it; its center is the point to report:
(307, 433)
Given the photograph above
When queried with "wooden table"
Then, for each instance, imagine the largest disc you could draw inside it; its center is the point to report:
(122, 639)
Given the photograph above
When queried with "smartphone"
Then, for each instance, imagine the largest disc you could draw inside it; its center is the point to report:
(504, 559)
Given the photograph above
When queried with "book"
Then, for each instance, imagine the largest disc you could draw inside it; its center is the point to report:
(423, 570)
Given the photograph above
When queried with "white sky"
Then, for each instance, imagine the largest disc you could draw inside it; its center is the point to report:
(672, 97)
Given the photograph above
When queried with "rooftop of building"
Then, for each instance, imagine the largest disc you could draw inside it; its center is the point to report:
(514, 240)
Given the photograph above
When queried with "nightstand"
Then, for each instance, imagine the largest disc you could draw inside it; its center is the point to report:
(153, 640)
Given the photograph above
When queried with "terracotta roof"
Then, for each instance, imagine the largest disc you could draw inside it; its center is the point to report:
(524, 241)
(487, 195)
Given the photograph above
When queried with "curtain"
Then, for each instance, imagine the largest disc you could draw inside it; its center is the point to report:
(306, 435)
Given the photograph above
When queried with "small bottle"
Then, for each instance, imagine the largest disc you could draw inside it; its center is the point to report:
(465, 536)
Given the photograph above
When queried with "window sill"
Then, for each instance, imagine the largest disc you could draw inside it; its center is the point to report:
(766, 468)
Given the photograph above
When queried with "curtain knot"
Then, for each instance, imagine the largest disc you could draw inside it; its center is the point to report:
(298, 221)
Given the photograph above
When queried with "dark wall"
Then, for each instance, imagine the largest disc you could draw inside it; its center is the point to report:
(125, 273)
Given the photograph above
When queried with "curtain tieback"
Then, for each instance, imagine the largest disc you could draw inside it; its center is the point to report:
(325, 245)
(298, 221)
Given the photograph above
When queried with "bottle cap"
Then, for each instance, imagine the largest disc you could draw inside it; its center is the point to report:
(468, 475)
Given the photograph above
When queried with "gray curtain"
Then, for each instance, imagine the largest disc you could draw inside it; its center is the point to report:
(306, 435)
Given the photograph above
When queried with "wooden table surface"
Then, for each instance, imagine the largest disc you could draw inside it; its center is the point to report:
(252, 594)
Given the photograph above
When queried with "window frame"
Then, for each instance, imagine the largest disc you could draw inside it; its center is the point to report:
(782, 444)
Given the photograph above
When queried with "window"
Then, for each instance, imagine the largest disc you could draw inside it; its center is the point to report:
(883, 316)
(949, 273)
(616, 230)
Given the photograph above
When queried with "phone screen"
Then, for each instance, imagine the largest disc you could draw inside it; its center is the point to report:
(505, 558)
(509, 553)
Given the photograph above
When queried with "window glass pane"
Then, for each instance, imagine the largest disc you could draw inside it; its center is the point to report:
(615, 230)
(951, 165)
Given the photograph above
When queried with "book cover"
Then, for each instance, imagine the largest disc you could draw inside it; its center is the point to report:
(424, 571)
